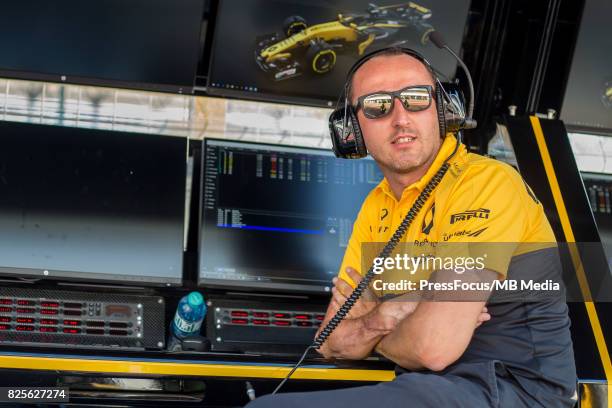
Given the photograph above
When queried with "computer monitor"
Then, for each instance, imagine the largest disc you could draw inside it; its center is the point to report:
(277, 217)
(143, 44)
(91, 205)
(587, 105)
(300, 51)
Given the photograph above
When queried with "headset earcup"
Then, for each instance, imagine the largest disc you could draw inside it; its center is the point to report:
(345, 133)
(337, 116)
(360, 146)
(441, 109)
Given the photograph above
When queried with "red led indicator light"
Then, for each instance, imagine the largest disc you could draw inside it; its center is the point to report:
(72, 331)
(261, 322)
(47, 329)
(240, 321)
(48, 321)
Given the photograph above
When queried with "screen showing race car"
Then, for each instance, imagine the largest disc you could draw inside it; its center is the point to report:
(301, 50)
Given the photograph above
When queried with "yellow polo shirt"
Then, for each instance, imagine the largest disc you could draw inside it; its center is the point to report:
(479, 200)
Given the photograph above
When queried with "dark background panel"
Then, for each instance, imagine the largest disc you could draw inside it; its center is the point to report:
(82, 202)
(131, 42)
(585, 103)
(519, 53)
(586, 354)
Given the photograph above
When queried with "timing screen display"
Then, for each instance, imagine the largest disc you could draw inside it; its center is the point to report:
(277, 216)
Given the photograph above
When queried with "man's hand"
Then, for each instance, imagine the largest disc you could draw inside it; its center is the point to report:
(351, 339)
(484, 316)
(389, 313)
(342, 290)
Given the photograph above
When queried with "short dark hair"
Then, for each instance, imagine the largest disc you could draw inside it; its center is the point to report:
(388, 52)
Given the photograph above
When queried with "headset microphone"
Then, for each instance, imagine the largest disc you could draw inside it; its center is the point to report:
(438, 41)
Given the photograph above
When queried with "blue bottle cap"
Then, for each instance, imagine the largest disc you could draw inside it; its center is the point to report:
(195, 299)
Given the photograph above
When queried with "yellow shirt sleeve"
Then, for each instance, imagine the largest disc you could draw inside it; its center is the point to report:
(485, 217)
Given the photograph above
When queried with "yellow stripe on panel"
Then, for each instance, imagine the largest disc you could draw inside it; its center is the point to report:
(182, 369)
(569, 236)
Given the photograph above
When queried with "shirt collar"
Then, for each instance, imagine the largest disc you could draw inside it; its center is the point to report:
(448, 145)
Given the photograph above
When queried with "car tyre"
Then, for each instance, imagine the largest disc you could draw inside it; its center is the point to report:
(321, 57)
(293, 25)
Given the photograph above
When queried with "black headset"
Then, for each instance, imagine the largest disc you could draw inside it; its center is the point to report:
(346, 134)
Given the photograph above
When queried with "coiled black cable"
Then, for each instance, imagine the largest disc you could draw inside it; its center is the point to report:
(386, 251)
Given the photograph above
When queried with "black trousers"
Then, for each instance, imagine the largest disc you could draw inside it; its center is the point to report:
(470, 385)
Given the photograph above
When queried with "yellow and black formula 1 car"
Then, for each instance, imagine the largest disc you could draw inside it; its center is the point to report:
(301, 49)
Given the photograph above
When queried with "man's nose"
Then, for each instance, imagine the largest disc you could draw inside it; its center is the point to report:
(400, 117)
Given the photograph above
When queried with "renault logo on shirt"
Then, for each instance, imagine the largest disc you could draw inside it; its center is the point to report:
(469, 214)
(428, 220)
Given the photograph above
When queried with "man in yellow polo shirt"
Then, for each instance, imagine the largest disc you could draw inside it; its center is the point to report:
(447, 353)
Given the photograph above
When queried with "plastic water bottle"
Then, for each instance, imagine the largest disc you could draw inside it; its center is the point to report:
(187, 320)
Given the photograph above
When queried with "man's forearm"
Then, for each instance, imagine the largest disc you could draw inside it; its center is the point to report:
(352, 339)
(442, 325)
(400, 346)
(432, 337)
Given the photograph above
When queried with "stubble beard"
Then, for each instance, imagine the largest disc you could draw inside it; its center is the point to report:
(406, 162)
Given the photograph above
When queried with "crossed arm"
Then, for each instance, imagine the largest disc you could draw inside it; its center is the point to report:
(414, 334)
